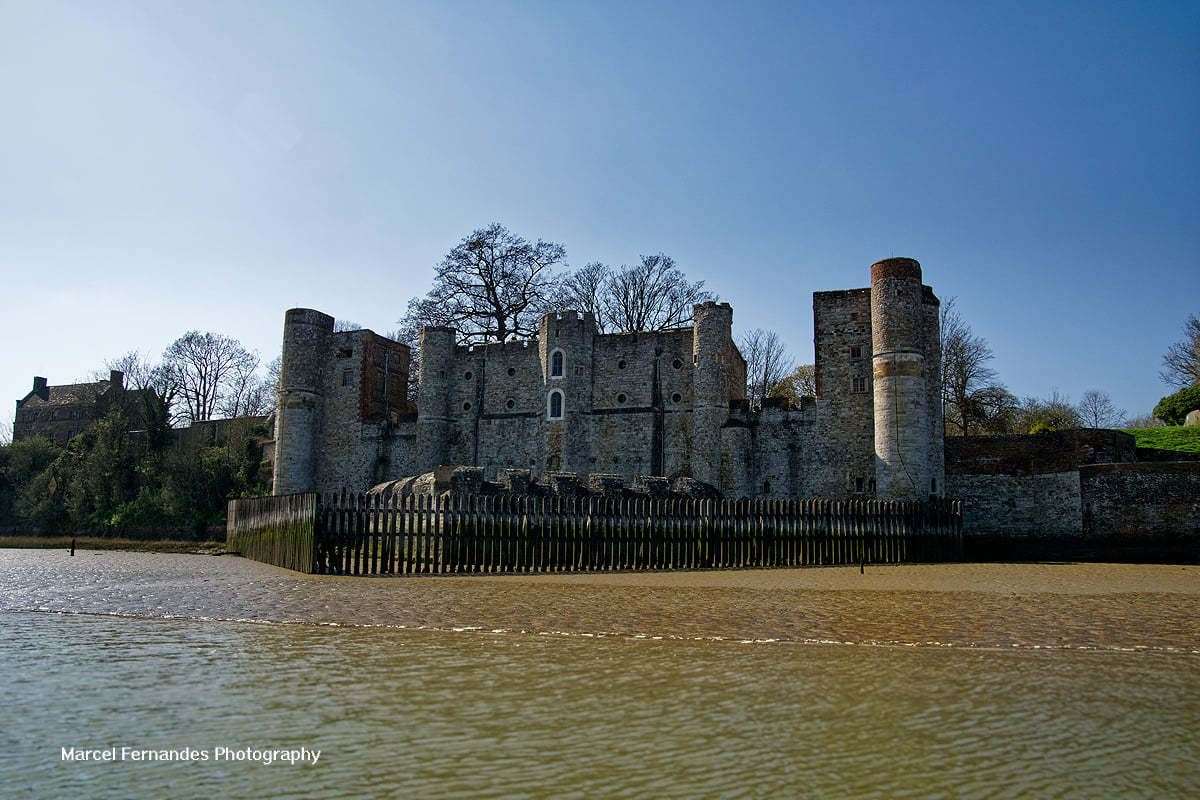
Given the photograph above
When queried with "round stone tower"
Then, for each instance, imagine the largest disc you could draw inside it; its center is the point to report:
(433, 402)
(900, 380)
(712, 340)
(301, 399)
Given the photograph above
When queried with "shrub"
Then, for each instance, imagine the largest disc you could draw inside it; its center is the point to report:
(1174, 407)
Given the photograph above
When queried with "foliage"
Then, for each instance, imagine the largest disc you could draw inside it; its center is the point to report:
(1174, 407)
(800, 382)
(1054, 413)
(108, 481)
(1181, 362)
(1174, 437)
(21, 463)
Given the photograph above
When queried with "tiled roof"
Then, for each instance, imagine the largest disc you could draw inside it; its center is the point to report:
(71, 394)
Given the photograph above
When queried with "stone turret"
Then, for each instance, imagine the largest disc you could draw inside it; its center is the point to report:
(433, 404)
(712, 354)
(565, 341)
(898, 331)
(301, 399)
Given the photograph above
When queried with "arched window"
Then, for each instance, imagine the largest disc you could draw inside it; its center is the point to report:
(554, 405)
(557, 365)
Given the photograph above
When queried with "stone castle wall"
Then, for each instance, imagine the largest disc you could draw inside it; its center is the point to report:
(1141, 500)
(668, 404)
(1028, 485)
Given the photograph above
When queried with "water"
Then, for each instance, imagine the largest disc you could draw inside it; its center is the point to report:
(628, 689)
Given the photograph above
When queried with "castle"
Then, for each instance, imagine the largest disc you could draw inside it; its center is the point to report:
(670, 403)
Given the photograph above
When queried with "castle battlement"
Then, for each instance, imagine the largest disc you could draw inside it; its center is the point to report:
(659, 405)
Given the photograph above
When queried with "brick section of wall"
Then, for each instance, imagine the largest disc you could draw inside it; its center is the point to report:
(1143, 500)
(1052, 452)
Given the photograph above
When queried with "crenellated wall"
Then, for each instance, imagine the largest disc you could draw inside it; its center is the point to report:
(670, 403)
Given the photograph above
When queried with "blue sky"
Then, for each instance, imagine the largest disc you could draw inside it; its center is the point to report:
(208, 165)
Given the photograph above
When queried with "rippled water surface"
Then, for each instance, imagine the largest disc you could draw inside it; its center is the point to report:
(634, 688)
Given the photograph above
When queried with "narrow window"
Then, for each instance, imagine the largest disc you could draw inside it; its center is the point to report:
(859, 485)
(860, 385)
(347, 377)
(556, 364)
(766, 487)
(555, 410)
(933, 486)
(856, 352)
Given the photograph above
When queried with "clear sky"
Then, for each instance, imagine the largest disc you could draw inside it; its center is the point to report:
(166, 166)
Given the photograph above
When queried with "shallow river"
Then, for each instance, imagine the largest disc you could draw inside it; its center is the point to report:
(636, 686)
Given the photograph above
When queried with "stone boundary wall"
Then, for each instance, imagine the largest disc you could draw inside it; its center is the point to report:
(1028, 485)
(1144, 500)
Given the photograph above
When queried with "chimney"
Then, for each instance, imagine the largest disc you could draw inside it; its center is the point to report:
(116, 379)
(40, 388)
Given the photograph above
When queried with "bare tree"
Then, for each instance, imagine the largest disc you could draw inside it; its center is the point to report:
(970, 388)
(246, 393)
(274, 376)
(1181, 363)
(153, 384)
(343, 325)
(1096, 410)
(653, 295)
(208, 368)
(1144, 421)
(586, 290)
(767, 364)
(493, 285)
(5, 433)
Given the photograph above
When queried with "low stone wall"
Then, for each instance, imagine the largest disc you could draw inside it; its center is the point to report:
(1159, 500)
(1045, 504)
(1028, 485)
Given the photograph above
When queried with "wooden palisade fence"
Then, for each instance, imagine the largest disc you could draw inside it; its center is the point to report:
(357, 534)
(279, 530)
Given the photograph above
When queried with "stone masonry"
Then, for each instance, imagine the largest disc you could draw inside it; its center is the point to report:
(669, 404)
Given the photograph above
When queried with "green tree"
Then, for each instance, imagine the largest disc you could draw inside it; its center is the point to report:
(1174, 407)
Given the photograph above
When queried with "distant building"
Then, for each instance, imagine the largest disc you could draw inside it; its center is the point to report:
(60, 413)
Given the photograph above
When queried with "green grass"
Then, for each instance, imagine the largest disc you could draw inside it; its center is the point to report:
(1172, 437)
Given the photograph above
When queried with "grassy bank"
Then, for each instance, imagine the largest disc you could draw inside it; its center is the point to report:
(1173, 437)
(100, 543)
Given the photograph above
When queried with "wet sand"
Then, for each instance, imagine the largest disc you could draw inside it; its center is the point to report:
(1087, 579)
(1038, 606)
